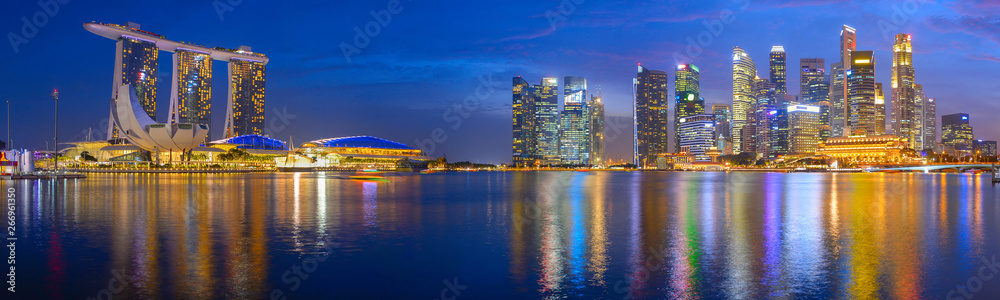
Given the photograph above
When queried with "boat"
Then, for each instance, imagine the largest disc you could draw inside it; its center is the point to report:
(427, 171)
(369, 171)
(368, 177)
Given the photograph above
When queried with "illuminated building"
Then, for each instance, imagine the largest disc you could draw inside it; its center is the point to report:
(191, 93)
(191, 81)
(524, 140)
(905, 121)
(778, 64)
(723, 125)
(839, 94)
(803, 129)
(651, 116)
(687, 101)
(596, 130)
(574, 130)
(812, 80)
(864, 149)
(744, 97)
(778, 138)
(825, 131)
(956, 132)
(547, 120)
(361, 152)
(861, 94)
(764, 115)
(985, 148)
(697, 135)
(135, 63)
(930, 122)
(926, 118)
(142, 131)
(245, 110)
(880, 109)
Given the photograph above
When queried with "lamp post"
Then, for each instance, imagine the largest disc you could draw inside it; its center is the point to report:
(55, 120)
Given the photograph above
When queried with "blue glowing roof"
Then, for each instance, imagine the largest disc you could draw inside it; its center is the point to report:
(254, 141)
(362, 142)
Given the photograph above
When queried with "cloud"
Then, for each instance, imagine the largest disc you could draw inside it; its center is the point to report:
(987, 28)
(982, 56)
(528, 36)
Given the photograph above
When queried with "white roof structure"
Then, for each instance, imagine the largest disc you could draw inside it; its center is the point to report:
(114, 32)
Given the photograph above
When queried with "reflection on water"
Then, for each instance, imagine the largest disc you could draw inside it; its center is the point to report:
(508, 235)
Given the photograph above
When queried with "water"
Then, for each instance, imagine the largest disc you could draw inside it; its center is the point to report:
(513, 235)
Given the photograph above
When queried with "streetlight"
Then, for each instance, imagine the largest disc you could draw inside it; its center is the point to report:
(55, 120)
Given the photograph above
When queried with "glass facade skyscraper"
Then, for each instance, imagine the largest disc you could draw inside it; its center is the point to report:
(956, 131)
(245, 112)
(651, 116)
(574, 130)
(687, 100)
(191, 96)
(524, 137)
(861, 94)
(135, 63)
(812, 76)
(744, 97)
(597, 130)
(905, 121)
(778, 63)
(547, 118)
(839, 88)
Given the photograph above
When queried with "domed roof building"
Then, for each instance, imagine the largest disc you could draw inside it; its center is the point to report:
(362, 152)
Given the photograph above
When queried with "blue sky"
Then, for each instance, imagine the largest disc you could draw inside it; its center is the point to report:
(433, 55)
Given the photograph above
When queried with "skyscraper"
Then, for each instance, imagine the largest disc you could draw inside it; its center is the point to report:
(687, 100)
(524, 140)
(812, 76)
(651, 116)
(929, 120)
(879, 109)
(803, 129)
(245, 108)
(839, 94)
(135, 63)
(697, 135)
(723, 125)
(905, 121)
(778, 64)
(547, 120)
(957, 132)
(861, 94)
(744, 96)
(574, 131)
(764, 118)
(597, 130)
(191, 93)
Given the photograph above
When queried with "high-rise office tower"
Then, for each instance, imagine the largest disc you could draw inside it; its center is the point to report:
(687, 100)
(803, 129)
(839, 94)
(861, 94)
(697, 135)
(879, 109)
(524, 140)
(651, 116)
(135, 63)
(765, 117)
(825, 131)
(723, 122)
(778, 132)
(597, 130)
(929, 121)
(245, 107)
(574, 131)
(957, 132)
(547, 120)
(905, 121)
(985, 148)
(778, 64)
(812, 73)
(191, 93)
(744, 97)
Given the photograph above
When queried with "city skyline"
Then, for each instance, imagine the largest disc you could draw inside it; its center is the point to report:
(349, 99)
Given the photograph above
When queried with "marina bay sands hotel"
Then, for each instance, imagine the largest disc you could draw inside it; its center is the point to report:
(136, 58)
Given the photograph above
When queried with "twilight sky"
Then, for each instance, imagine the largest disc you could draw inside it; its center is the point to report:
(434, 55)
